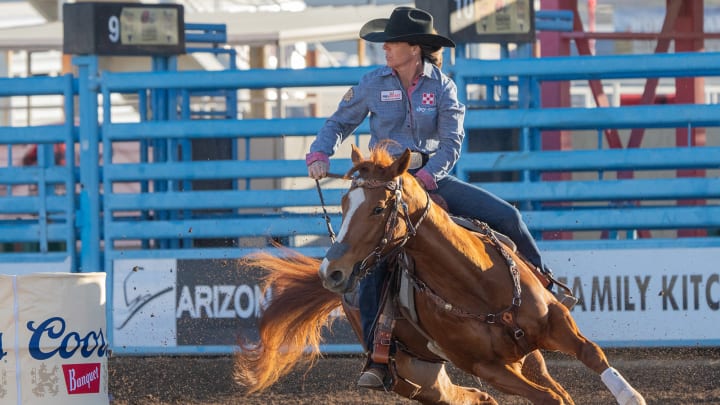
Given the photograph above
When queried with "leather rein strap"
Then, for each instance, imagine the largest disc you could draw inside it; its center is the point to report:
(331, 233)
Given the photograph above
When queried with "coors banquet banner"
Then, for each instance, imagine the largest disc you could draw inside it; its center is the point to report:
(53, 345)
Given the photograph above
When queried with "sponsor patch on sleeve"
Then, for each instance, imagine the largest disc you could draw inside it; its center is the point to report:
(348, 95)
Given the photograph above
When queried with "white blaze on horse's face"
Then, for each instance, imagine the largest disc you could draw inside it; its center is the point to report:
(355, 199)
(331, 278)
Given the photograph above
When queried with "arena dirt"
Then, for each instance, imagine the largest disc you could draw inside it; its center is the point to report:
(663, 376)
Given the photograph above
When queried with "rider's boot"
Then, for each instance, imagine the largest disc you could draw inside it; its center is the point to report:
(567, 300)
(373, 376)
(563, 295)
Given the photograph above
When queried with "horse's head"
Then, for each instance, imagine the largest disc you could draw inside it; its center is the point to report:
(381, 211)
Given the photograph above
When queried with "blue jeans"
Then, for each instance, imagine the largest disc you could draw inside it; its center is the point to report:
(370, 291)
(465, 200)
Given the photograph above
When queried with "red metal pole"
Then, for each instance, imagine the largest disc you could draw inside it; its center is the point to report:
(556, 94)
(690, 90)
(648, 97)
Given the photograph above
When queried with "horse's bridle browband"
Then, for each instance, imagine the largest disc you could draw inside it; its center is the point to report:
(394, 185)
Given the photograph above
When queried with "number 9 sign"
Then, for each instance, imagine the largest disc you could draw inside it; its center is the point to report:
(113, 28)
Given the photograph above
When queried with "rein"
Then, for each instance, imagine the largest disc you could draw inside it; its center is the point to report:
(331, 233)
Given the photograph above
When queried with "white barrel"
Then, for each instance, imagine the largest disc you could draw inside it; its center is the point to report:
(53, 339)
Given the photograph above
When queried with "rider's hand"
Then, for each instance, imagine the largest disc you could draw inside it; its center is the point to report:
(318, 169)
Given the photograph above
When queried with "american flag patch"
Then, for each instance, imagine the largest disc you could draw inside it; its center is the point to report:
(428, 99)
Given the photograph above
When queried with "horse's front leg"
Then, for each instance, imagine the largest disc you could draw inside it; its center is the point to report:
(565, 336)
(535, 370)
(435, 386)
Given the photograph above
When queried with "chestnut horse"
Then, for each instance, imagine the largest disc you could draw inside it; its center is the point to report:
(477, 303)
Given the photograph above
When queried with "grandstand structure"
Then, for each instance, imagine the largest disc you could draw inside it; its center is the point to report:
(161, 170)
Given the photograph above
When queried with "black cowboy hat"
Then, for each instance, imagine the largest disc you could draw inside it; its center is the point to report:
(406, 24)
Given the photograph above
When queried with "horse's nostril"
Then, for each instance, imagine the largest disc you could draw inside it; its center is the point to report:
(336, 276)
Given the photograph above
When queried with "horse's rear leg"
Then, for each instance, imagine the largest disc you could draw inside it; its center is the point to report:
(565, 337)
(535, 370)
(435, 385)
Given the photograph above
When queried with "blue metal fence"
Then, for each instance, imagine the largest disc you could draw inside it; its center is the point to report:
(164, 215)
(602, 202)
(39, 224)
(160, 132)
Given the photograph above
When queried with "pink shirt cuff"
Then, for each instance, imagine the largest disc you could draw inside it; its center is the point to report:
(315, 156)
(426, 179)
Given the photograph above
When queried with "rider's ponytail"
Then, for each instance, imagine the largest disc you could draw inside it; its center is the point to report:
(432, 54)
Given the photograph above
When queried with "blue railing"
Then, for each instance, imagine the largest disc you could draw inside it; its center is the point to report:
(164, 215)
(38, 223)
(590, 197)
(45, 207)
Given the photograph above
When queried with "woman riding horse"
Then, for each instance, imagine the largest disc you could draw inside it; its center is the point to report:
(476, 303)
(412, 102)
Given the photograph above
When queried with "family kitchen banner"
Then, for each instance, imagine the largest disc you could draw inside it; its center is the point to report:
(53, 348)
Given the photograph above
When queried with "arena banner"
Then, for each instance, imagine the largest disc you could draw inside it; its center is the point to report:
(205, 302)
(217, 303)
(628, 298)
(644, 297)
(54, 348)
(144, 303)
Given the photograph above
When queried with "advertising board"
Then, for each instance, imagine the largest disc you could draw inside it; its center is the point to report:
(203, 302)
(644, 297)
(627, 298)
(53, 342)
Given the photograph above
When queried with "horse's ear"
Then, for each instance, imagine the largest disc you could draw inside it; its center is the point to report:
(402, 163)
(356, 156)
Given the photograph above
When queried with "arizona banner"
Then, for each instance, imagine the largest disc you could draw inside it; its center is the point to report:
(53, 348)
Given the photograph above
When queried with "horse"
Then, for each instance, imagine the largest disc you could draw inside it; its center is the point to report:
(477, 303)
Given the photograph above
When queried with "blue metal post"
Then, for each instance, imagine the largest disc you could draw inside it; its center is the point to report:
(89, 221)
(69, 109)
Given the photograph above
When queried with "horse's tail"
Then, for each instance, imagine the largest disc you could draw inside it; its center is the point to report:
(291, 322)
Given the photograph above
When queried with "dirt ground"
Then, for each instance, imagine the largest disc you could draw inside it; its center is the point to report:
(663, 376)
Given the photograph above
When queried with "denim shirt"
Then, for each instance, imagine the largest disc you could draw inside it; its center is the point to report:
(428, 118)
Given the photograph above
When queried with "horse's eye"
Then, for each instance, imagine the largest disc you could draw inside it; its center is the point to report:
(378, 210)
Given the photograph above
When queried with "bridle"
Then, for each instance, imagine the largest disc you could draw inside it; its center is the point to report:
(394, 185)
(399, 204)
